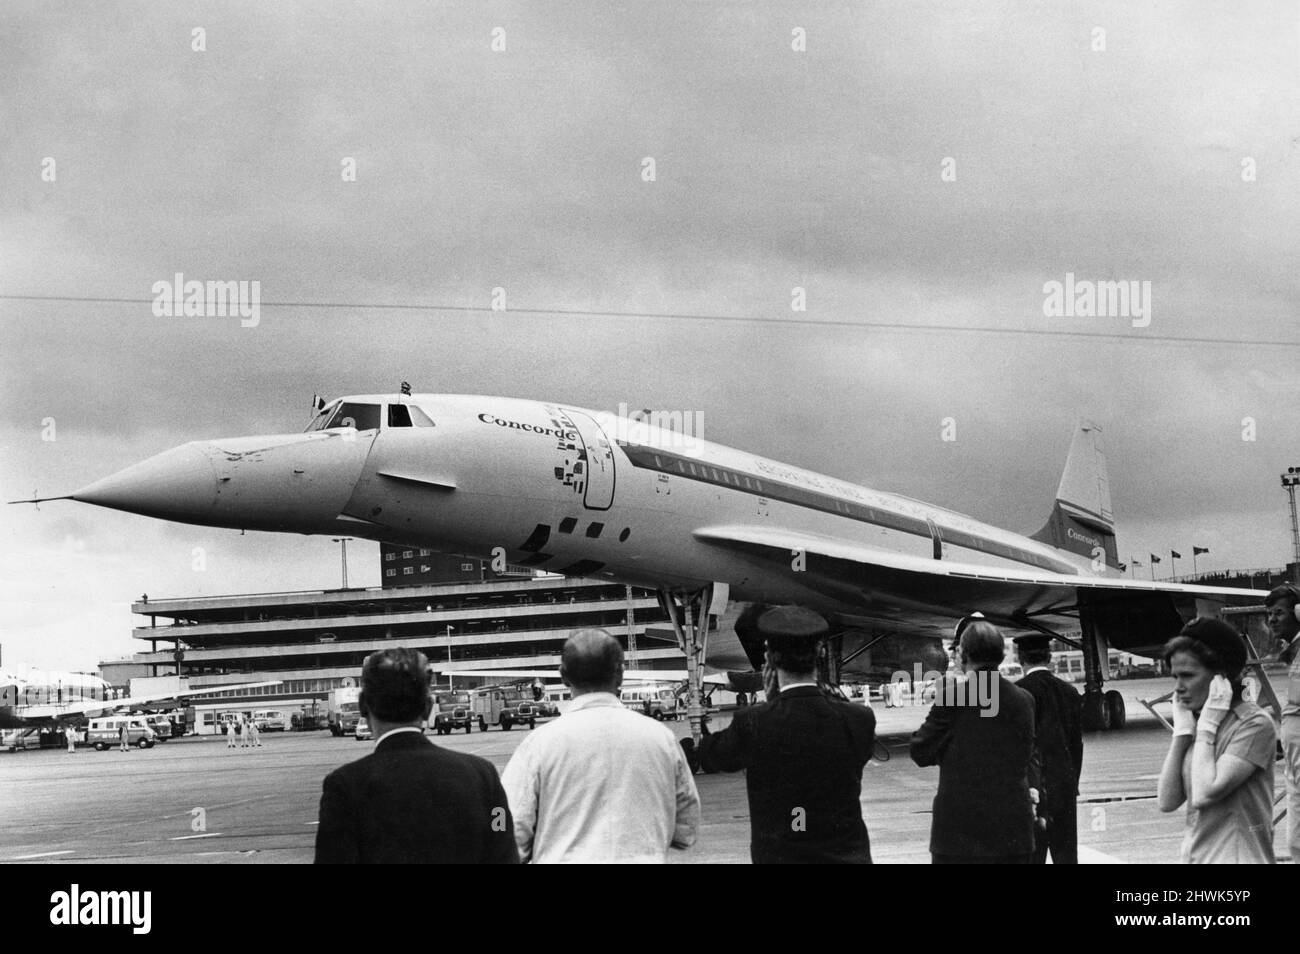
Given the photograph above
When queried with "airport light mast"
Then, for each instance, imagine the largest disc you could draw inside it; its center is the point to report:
(631, 629)
(344, 541)
(1289, 480)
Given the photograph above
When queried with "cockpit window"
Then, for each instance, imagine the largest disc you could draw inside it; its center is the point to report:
(322, 417)
(364, 417)
(407, 415)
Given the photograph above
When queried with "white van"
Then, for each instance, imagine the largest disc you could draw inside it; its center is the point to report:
(107, 732)
(271, 720)
(656, 702)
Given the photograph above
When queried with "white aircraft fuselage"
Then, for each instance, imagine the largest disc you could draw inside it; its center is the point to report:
(617, 498)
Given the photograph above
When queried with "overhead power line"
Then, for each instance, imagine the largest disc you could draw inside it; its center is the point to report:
(686, 316)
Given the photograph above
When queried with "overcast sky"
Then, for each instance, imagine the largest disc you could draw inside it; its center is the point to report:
(1171, 156)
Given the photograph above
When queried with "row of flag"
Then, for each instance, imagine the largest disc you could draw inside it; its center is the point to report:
(1174, 554)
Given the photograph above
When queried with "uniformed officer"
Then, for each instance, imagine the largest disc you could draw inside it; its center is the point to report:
(803, 753)
(1058, 725)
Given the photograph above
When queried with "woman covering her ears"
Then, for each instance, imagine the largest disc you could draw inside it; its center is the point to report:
(1220, 762)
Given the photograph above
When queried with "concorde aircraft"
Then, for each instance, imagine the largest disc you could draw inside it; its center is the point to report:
(585, 493)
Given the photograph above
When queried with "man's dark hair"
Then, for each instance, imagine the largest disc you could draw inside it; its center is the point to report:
(796, 654)
(592, 660)
(1287, 591)
(1034, 656)
(983, 645)
(395, 686)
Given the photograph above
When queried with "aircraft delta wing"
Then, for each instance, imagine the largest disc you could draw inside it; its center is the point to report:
(920, 596)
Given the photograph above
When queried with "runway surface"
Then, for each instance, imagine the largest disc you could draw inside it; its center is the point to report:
(195, 801)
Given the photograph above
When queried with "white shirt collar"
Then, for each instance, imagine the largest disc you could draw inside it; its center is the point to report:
(589, 699)
(1036, 669)
(797, 685)
(400, 728)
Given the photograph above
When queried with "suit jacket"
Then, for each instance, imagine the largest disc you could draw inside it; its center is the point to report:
(982, 808)
(411, 802)
(804, 754)
(1058, 729)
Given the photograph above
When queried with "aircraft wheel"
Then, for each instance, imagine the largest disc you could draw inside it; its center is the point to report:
(1106, 714)
(1114, 703)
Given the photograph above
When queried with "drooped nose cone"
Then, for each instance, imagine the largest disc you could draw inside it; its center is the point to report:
(179, 484)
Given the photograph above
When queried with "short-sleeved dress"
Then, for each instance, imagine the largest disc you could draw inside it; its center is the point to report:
(1239, 828)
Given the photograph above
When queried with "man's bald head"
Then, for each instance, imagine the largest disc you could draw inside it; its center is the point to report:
(592, 661)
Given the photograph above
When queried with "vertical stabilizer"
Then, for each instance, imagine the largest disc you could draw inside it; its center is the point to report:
(1082, 521)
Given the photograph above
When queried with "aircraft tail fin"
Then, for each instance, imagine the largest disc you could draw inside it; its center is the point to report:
(1082, 521)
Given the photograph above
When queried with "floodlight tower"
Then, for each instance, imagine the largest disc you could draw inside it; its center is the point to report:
(1290, 480)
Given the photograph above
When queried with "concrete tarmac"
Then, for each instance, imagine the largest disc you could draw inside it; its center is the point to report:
(195, 801)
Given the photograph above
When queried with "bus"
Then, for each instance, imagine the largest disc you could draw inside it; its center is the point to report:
(1119, 665)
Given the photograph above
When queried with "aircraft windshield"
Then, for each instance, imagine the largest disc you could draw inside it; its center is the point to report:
(364, 417)
(321, 418)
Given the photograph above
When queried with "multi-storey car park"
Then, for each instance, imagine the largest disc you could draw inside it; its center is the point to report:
(313, 642)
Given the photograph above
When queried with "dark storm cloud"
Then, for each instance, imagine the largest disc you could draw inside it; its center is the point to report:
(522, 169)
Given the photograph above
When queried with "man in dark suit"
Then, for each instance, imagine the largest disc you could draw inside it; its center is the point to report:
(980, 732)
(1058, 730)
(410, 802)
(803, 751)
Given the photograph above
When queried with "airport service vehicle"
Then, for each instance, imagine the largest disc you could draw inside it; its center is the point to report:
(271, 720)
(585, 493)
(658, 702)
(505, 707)
(362, 731)
(105, 733)
(308, 721)
(161, 725)
(344, 710)
(452, 710)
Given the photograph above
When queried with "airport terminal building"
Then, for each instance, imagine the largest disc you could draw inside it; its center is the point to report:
(455, 610)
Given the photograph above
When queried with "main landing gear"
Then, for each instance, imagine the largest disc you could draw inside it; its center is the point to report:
(1102, 710)
(689, 612)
